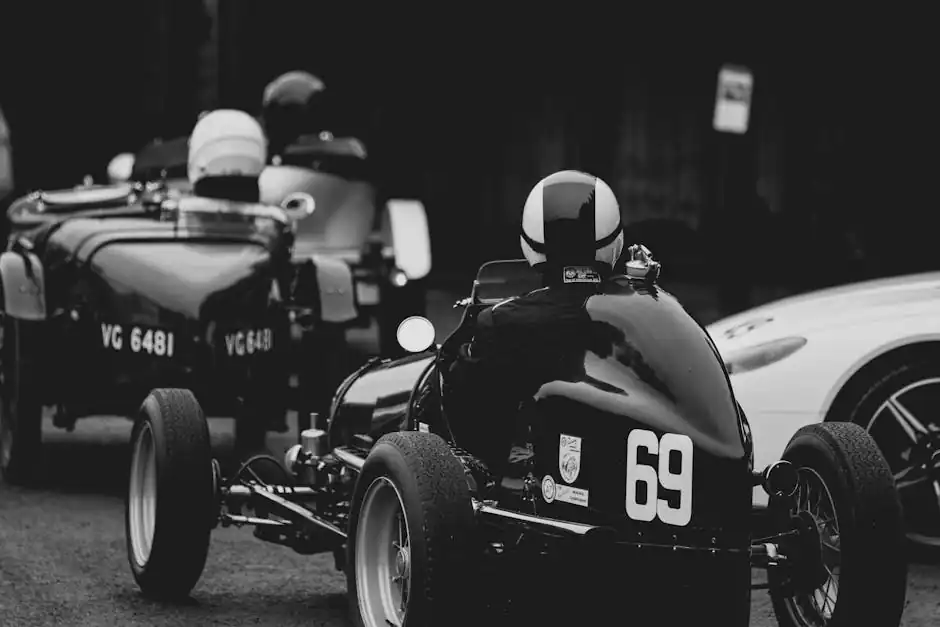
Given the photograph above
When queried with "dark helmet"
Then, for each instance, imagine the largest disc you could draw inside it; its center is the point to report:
(291, 106)
(572, 219)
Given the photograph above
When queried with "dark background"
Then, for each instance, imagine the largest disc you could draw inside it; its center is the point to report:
(467, 108)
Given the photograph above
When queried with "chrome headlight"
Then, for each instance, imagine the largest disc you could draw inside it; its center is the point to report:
(754, 357)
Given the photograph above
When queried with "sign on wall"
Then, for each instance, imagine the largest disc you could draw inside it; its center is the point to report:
(733, 101)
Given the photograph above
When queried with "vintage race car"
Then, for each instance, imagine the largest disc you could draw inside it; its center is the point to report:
(389, 251)
(867, 353)
(635, 478)
(110, 291)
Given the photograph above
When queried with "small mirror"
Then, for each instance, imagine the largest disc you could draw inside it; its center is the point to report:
(415, 334)
(298, 205)
(121, 168)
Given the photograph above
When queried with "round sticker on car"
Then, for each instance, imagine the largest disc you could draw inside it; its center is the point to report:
(548, 488)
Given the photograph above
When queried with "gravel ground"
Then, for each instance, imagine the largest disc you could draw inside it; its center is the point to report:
(63, 559)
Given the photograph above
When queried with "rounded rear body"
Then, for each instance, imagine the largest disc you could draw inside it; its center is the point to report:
(648, 435)
(647, 444)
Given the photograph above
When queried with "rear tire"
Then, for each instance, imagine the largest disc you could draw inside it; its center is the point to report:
(414, 477)
(842, 462)
(20, 404)
(171, 506)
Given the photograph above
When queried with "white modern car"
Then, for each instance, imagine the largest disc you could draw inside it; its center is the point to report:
(866, 352)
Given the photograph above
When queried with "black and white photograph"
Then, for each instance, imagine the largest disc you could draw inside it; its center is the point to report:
(420, 316)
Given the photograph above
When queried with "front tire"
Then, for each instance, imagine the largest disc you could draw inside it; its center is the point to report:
(170, 508)
(410, 529)
(20, 404)
(858, 575)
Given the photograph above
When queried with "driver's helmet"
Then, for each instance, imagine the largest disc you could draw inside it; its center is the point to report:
(290, 107)
(572, 218)
(226, 143)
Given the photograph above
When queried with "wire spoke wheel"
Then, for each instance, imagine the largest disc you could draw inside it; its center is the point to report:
(908, 434)
(142, 501)
(815, 609)
(383, 556)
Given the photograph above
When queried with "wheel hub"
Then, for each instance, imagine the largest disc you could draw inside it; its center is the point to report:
(809, 571)
(402, 567)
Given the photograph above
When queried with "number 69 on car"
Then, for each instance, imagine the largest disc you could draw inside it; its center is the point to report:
(653, 478)
(137, 339)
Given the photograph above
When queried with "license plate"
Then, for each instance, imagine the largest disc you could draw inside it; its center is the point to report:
(137, 339)
(243, 342)
(367, 293)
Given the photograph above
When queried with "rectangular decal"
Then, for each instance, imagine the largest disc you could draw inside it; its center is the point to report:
(569, 457)
(574, 496)
(552, 492)
(137, 339)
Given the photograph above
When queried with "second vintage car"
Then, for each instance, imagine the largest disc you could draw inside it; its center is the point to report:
(108, 291)
(385, 241)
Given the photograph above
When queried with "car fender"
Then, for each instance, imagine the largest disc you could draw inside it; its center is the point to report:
(407, 223)
(335, 281)
(23, 284)
(808, 380)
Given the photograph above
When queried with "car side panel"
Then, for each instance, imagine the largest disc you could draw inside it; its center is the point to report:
(808, 380)
(377, 401)
(335, 280)
(23, 286)
(799, 390)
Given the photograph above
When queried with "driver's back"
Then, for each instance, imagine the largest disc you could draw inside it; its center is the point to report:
(518, 345)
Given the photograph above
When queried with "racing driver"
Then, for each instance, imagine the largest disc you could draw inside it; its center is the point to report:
(291, 106)
(227, 152)
(573, 235)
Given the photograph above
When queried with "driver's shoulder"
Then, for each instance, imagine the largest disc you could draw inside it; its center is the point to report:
(513, 310)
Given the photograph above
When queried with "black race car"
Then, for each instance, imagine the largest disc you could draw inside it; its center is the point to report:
(389, 250)
(109, 291)
(634, 480)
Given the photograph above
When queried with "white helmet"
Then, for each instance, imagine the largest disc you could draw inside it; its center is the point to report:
(571, 219)
(227, 142)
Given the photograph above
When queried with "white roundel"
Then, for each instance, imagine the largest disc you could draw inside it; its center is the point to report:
(570, 467)
(548, 488)
(227, 142)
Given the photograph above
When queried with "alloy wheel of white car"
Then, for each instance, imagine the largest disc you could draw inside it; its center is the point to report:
(907, 430)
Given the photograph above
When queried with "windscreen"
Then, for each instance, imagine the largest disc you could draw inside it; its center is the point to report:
(502, 279)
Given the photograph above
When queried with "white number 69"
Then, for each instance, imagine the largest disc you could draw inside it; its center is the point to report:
(681, 482)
